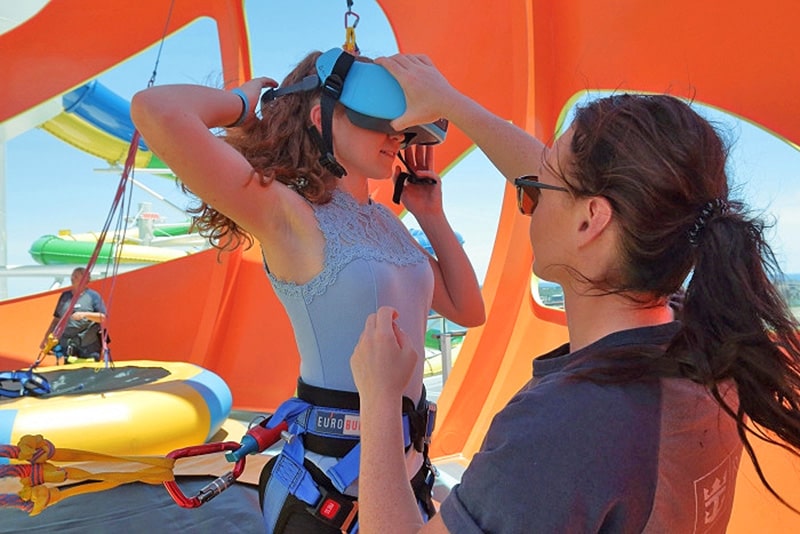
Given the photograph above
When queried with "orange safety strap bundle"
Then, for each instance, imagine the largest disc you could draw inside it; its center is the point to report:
(44, 483)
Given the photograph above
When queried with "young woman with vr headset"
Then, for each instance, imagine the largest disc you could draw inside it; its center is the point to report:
(293, 176)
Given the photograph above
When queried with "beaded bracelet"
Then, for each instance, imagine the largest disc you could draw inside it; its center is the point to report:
(245, 107)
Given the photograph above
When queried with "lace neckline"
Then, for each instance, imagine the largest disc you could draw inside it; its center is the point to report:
(354, 231)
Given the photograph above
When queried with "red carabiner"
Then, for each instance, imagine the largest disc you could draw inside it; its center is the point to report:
(213, 488)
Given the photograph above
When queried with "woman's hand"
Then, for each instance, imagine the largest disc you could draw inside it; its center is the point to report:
(421, 199)
(383, 360)
(427, 91)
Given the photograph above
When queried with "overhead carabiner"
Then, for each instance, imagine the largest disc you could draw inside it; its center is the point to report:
(350, 30)
(350, 13)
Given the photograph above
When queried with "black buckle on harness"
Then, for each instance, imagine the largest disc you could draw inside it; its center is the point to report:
(335, 509)
(421, 421)
(431, 422)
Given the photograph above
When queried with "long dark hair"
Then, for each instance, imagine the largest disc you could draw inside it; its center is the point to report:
(663, 169)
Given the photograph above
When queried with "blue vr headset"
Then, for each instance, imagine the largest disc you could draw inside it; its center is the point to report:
(371, 97)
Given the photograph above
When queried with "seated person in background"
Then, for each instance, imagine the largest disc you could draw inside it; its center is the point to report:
(81, 337)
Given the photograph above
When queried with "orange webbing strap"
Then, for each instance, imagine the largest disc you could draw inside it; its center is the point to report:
(30, 462)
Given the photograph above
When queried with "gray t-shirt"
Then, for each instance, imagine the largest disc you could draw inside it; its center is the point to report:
(570, 455)
(89, 301)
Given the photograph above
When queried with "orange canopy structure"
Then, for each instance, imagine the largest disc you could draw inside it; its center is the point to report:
(524, 60)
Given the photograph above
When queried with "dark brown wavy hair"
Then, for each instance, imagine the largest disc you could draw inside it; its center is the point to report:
(278, 147)
(660, 164)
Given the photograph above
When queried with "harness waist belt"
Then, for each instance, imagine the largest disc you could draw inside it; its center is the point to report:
(333, 425)
(331, 422)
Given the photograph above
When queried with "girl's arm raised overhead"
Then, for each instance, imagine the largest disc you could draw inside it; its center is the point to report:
(175, 121)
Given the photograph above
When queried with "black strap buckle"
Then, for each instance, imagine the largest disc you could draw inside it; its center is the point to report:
(306, 84)
(410, 177)
(335, 509)
(327, 160)
(331, 165)
(421, 422)
(398, 186)
(431, 422)
(331, 91)
(333, 86)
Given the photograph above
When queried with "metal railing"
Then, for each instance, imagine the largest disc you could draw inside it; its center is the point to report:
(445, 338)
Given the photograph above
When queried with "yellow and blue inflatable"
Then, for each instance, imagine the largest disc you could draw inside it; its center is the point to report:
(139, 407)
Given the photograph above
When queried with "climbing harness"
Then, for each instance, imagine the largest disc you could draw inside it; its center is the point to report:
(15, 384)
(327, 422)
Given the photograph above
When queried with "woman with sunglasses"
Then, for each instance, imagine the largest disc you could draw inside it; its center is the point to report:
(639, 422)
(296, 182)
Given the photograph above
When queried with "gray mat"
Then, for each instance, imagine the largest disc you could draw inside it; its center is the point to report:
(143, 508)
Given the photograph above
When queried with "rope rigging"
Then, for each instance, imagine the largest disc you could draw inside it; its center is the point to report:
(27, 382)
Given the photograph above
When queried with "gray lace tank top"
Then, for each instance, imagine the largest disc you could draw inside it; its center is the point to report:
(371, 260)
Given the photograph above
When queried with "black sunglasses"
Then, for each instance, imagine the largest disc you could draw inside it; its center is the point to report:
(528, 191)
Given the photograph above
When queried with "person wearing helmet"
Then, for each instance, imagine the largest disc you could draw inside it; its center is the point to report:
(292, 174)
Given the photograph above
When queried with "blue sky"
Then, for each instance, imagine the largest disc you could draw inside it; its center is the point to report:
(53, 186)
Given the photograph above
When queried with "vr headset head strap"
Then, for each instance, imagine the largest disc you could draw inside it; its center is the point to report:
(306, 84)
(331, 92)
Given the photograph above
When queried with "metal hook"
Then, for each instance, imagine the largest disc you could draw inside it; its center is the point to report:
(216, 486)
(354, 14)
